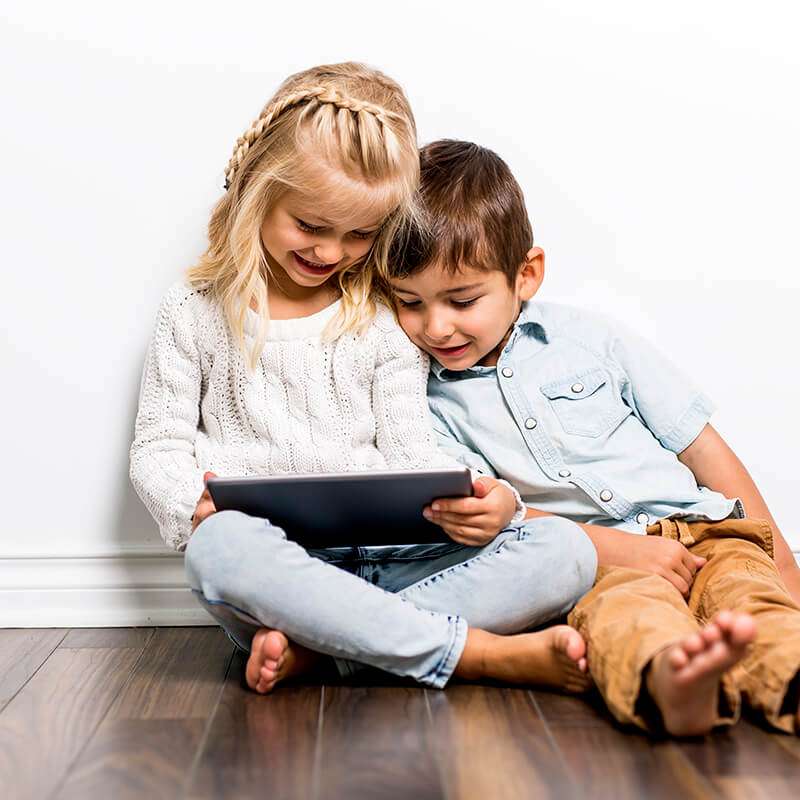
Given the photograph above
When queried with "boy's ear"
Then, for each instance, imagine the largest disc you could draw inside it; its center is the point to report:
(531, 273)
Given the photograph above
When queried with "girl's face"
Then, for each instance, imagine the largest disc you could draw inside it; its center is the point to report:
(307, 243)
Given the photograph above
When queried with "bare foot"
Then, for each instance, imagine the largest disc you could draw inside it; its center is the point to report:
(683, 679)
(554, 657)
(273, 658)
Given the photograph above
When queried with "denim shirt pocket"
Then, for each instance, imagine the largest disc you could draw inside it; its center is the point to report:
(585, 403)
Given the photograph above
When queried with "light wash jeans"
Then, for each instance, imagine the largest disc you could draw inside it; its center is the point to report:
(404, 610)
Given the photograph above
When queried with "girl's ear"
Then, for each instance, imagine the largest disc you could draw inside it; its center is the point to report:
(531, 273)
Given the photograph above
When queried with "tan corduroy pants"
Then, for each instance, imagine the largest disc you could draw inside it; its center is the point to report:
(629, 616)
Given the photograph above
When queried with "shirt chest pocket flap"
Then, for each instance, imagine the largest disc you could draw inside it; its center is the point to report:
(586, 403)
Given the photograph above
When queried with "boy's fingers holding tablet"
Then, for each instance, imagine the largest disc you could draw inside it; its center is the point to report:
(456, 505)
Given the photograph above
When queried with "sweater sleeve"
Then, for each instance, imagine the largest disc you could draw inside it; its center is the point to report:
(163, 468)
(404, 431)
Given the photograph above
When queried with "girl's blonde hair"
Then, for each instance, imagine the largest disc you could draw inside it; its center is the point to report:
(343, 122)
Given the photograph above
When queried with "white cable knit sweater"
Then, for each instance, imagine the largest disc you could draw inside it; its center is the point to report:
(357, 403)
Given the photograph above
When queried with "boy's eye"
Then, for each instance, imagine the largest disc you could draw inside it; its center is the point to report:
(465, 303)
(304, 226)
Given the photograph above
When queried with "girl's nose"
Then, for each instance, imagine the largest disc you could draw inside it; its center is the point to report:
(329, 252)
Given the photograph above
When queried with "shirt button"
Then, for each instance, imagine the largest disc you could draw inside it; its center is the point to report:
(606, 495)
(642, 518)
(577, 388)
(530, 423)
(507, 372)
(564, 473)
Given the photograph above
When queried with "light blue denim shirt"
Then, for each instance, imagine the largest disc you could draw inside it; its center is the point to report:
(584, 417)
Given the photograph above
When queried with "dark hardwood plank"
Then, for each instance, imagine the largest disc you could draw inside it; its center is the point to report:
(791, 744)
(51, 718)
(82, 638)
(490, 742)
(22, 652)
(148, 741)
(179, 676)
(134, 759)
(258, 746)
(610, 762)
(375, 741)
(745, 762)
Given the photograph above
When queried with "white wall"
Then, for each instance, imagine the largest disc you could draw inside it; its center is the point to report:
(657, 146)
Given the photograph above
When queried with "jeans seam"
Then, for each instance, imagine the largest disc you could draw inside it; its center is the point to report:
(521, 536)
(226, 603)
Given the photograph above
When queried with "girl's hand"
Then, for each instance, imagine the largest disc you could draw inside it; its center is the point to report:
(205, 505)
(474, 521)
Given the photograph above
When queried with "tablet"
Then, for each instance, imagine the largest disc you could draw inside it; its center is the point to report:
(346, 509)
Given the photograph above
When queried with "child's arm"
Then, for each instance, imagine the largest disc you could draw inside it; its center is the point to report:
(716, 466)
(163, 467)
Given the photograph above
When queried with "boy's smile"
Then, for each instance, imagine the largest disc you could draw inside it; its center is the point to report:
(464, 318)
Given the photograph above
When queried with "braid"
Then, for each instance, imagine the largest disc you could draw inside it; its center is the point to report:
(270, 112)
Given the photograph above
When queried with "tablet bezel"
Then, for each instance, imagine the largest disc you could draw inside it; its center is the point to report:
(313, 509)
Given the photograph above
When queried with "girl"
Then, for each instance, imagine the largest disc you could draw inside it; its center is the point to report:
(273, 357)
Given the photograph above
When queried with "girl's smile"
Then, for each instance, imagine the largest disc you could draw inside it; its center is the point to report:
(314, 268)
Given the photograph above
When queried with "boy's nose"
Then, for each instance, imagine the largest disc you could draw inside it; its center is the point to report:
(438, 329)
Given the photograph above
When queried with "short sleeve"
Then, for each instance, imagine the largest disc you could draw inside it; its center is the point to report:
(661, 395)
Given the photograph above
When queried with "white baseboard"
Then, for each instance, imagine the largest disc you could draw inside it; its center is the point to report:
(128, 587)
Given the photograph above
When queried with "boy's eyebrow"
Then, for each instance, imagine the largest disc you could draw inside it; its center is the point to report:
(455, 289)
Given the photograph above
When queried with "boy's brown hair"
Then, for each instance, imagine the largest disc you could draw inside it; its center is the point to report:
(472, 214)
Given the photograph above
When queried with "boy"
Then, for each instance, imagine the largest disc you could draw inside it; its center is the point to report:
(590, 423)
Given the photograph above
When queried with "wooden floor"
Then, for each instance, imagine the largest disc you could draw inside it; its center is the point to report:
(161, 713)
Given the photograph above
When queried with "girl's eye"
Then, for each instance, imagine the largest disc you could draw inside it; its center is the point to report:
(363, 234)
(304, 226)
(408, 303)
(465, 303)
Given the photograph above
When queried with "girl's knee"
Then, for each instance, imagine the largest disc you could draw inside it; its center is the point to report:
(569, 553)
(220, 542)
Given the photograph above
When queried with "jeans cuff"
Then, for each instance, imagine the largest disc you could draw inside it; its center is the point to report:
(441, 674)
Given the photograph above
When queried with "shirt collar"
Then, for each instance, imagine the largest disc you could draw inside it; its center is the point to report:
(528, 323)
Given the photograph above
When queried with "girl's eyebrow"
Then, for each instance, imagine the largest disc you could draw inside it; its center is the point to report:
(320, 222)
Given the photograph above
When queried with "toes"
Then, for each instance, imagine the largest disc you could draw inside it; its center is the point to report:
(724, 619)
(570, 643)
(693, 644)
(711, 634)
(275, 644)
(677, 658)
(743, 630)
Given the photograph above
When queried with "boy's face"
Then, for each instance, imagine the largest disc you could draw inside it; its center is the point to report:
(464, 318)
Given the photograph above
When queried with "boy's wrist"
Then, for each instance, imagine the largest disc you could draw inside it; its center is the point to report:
(520, 509)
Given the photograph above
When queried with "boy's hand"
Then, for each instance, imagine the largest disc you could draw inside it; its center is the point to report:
(664, 557)
(474, 521)
(205, 505)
